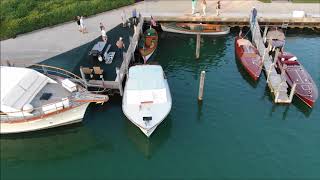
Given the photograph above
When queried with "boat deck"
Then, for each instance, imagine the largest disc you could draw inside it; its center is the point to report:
(114, 73)
(58, 92)
(276, 82)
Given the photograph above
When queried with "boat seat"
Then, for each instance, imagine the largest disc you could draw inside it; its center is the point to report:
(287, 62)
(98, 71)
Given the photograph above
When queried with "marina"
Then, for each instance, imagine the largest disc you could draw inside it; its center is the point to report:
(218, 119)
(194, 136)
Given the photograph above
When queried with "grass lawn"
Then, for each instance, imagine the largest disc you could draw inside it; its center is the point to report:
(21, 16)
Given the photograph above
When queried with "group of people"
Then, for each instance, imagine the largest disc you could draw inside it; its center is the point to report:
(120, 44)
(204, 7)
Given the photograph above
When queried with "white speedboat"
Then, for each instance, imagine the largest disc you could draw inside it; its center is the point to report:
(42, 97)
(147, 100)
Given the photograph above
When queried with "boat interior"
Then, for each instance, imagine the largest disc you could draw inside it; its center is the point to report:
(51, 93)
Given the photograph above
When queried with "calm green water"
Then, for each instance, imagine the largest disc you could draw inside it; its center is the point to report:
(237, 132)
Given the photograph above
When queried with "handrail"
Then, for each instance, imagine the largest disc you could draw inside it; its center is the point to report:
(36, 108)
(35, 67)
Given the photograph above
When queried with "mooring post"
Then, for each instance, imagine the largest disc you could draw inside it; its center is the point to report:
(198, 46)
(293, 89)
(83, 76)
(265, 34)
(201, 85)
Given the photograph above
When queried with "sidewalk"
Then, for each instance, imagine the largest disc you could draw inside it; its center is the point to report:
(40, 45)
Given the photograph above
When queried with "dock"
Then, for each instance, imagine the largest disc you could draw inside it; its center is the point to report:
(121, 72)
(276, 82)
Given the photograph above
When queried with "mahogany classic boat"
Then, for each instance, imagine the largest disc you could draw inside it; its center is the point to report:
(249, 57)
(195, 28)
(149, 43)
(306, 89)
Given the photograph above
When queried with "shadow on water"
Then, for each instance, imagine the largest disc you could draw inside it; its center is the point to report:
(50, 144)
(301, 106)
(145, 145)
(184, 47)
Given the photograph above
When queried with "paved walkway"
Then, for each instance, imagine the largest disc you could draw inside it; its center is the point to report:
(46, 43)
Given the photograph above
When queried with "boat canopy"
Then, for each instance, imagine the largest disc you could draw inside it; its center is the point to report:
(145, 77)
(276, 34)
(146, 85)
(19, 86)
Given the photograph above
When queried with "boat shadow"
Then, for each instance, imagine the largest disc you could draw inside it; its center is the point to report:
(296, 102)
(149, 146)
(50, 144)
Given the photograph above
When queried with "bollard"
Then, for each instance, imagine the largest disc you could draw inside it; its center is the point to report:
(201, 85)
(198, 46)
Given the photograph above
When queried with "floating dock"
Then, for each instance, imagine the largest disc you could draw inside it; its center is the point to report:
(128, 56)
(239, 21)
(276, 82)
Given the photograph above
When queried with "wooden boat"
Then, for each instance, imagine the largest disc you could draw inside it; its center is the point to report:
(36, 98)
(148, 43)
(295, 73)
(147, 99)
(248, 56)
(195, 28)
(276, 38)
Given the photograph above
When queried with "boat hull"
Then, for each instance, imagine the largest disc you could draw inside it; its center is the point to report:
(70, 116)
(158, 112)
(253, 65)
(295, 73)
(206, 29)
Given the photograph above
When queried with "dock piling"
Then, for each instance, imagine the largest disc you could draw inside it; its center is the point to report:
(198, 46)
(265, 34)
(201, 85)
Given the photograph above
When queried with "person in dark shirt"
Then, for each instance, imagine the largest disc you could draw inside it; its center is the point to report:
(134, 16)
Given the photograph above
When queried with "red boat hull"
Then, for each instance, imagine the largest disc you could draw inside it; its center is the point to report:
(249, 57)
(306, 89)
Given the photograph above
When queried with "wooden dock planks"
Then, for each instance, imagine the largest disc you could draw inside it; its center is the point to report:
(276, 82)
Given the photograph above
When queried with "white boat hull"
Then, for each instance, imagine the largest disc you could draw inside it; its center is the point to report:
(70, 116)
(158, 112)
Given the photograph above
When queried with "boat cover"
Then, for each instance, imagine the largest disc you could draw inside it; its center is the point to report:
(146, 84)
(19, 86)
(276, 34)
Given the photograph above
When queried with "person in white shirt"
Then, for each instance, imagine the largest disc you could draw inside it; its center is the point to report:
(82, 26)
(123, 18)
(104, 34)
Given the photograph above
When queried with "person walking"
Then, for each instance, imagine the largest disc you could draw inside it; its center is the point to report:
(134, 16)
(101, 26)
(204, 7)
(218, 7)
(82, 25)
(194, 2)
(77, 18)
(120, 44)
(254, 14)
(104, 34)
(123, 18)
